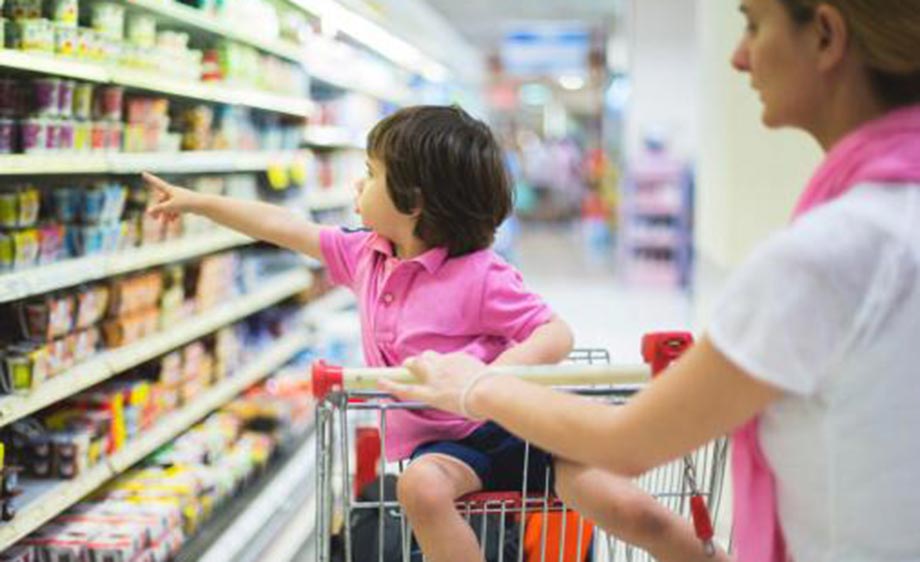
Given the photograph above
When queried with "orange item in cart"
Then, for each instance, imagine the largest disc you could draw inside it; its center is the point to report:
(555, 522)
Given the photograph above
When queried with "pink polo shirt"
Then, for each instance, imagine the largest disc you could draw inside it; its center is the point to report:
(475, 303)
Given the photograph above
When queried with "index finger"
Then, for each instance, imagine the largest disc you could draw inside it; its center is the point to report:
(154, 182)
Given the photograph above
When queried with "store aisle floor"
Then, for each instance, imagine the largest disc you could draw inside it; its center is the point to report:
(585, 291)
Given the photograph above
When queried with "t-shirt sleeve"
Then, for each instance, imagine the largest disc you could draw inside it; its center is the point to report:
(508, 309)
(801, 303)
(342, 250)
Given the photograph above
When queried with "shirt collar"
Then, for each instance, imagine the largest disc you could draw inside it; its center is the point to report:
(431, 260)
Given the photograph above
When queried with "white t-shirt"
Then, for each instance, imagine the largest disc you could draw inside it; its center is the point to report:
(829, 311)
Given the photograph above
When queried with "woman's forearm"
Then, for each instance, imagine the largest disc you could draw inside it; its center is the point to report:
(262, 221)
(700, 398)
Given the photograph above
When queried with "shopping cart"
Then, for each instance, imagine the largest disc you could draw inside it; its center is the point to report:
(512, 526)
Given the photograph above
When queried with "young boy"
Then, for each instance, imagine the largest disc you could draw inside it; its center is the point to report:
(425, 279)
(435, 192)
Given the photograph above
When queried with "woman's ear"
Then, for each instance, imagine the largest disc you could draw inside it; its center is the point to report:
(833, 36)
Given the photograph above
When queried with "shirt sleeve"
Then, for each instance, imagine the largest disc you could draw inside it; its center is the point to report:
(804, 300)
(508, 309)
(342, 249)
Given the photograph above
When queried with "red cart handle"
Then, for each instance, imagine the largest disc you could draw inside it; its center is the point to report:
(326, 378)
(659, 349)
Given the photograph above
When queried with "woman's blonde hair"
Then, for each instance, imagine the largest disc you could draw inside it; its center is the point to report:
(887, 33)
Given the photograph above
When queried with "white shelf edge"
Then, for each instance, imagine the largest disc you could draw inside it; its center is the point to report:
(325, 136)
(67, 493)
(347, 83)
(57, 163)
(135, 162)
(51, 64)
(110, 363)
(219, 93)
(331, 302)
(41, 279)
(327, 199)
(147, 80)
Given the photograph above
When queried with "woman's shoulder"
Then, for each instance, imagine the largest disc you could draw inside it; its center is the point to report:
(857, 228)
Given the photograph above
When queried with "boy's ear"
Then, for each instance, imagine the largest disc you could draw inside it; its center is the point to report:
(417, 208)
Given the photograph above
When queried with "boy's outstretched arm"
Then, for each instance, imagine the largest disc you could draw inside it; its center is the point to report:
(256, 219)
(550, 343)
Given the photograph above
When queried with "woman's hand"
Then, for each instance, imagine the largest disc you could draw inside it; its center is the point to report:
(443, 380)
(169, 200)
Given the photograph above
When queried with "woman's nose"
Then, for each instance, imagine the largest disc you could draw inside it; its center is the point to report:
(740, 58)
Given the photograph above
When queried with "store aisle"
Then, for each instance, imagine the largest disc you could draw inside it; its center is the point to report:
(586, 292)
(606, 312)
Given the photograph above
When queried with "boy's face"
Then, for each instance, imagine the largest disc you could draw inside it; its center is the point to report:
(377, 210)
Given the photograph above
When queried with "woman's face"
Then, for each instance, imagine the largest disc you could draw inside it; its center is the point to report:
(779, 56)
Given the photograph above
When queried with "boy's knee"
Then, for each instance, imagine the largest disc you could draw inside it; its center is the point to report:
(421, 490)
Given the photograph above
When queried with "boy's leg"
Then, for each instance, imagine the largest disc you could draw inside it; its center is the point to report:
(427, 491)
(624, 510)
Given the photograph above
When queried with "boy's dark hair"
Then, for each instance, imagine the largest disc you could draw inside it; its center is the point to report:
(443, 161)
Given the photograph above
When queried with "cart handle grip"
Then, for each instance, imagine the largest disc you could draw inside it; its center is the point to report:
(659, 349)
(327, 378)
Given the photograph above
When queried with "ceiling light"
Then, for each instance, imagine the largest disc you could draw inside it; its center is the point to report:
(335, 16)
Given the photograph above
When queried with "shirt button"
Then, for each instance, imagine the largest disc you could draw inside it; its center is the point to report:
(388, 298)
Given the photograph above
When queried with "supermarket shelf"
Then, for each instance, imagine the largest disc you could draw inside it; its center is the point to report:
(150, 81)
(45, 499)
(110, 363)
(330, 303)
(233, 95)
(50, 64)
(320, 136)
(193, 18)
(38, 280)
(347, 81)
(258, 528)
(48, 164)
(201, 162)
(328, 199)
(132, 163)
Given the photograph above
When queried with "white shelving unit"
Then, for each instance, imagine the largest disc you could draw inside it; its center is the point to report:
(327, 199)
(152, 82)
(321, 136)
(134, 163)
(328, 304)
(38, 280)
(46, 498)
(199, 20)
(110, 363)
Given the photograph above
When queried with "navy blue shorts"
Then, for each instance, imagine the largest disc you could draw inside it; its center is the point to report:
(497, 457)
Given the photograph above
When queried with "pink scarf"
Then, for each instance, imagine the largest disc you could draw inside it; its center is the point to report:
(884, 150)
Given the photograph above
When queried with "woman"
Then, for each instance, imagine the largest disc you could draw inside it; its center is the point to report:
(808, 356)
